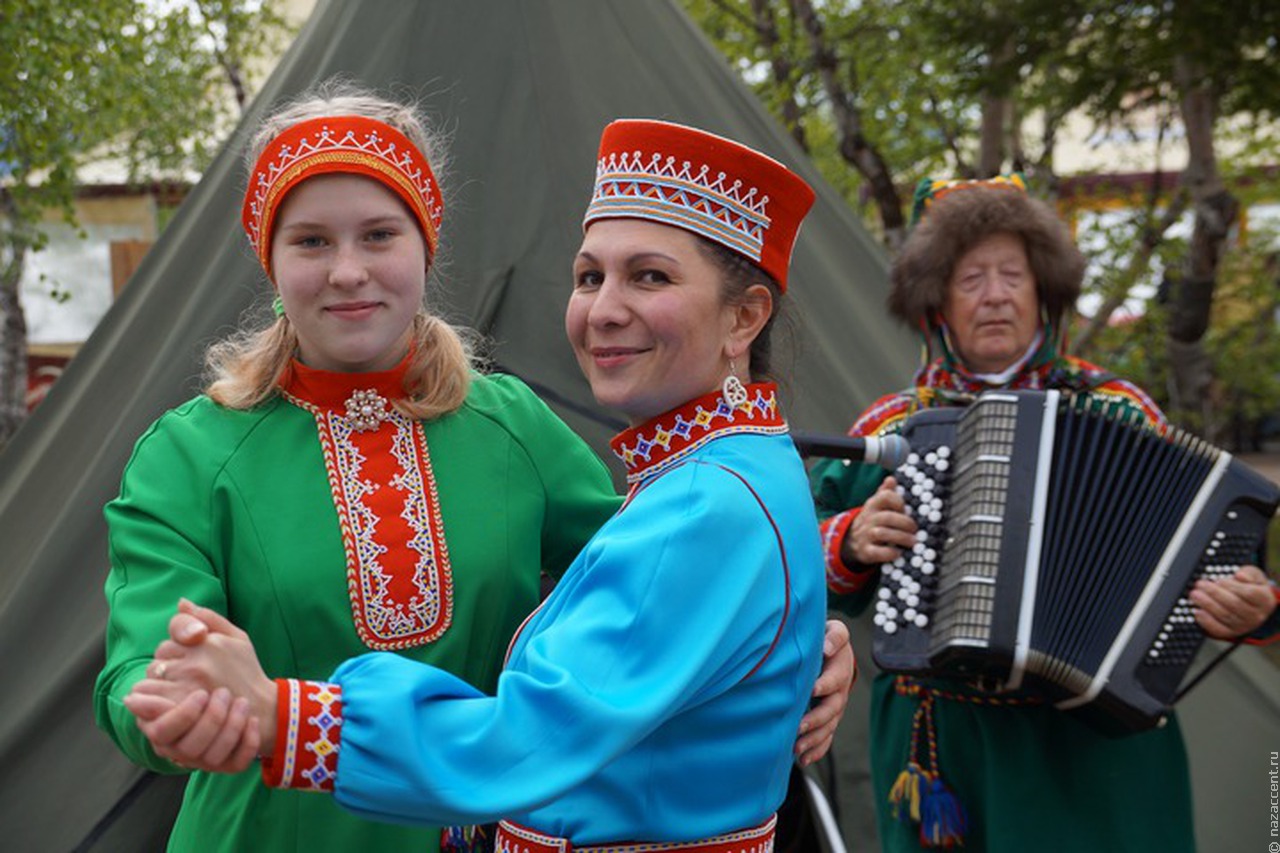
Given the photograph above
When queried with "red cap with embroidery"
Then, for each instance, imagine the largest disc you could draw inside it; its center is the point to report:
(703, 183)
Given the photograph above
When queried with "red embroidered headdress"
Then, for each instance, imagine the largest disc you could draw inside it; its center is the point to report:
(703, 183)
(348, 144)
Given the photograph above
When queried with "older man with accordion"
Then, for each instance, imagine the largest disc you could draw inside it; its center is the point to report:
(1045, 563)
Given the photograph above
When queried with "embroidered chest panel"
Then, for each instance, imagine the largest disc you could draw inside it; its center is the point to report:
(398, 574)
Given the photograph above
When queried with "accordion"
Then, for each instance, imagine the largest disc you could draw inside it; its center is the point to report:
(1058, 539)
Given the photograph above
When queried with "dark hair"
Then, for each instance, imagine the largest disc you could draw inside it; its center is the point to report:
(957, 222)
(739, 273)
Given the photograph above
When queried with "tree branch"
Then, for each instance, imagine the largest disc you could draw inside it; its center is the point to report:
(1152, 236)
(854, 146)
(766, 28)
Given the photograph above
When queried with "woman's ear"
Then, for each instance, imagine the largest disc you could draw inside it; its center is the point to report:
(750, 314)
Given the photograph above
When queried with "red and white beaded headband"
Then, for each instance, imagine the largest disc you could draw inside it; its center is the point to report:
(344, 144)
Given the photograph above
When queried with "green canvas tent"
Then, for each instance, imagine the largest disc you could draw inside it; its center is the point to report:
(524, 86)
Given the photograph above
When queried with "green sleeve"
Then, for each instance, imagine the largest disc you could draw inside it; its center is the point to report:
(159, 534)
(837, 487)
(579, 492)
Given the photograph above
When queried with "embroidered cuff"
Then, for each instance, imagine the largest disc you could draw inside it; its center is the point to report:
(840, 578)
(308, 731)
(1268, 632)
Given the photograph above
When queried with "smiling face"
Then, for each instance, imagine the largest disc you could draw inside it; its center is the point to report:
(648, 320)
(351, 268)
(992, 308)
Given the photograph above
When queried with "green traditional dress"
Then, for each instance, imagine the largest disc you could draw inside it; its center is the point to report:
(1029, 777)
(325, 524)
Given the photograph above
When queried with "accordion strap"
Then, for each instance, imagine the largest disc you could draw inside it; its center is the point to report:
(1208, 668)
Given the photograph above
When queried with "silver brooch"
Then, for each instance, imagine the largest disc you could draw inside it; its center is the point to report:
(367, 410)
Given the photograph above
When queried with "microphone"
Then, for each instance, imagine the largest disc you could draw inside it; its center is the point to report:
(887, 451)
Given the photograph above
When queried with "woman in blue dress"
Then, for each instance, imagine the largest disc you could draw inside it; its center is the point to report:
(655, 695)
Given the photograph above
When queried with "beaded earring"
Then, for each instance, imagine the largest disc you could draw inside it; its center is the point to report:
(732, 389)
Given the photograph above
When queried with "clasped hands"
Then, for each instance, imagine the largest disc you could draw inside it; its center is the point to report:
(206, 703)
(1226, 609)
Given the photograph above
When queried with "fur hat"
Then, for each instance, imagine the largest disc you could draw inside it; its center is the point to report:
(956, 217)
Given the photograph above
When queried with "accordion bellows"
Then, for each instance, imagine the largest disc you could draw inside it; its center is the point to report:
(1059, 538)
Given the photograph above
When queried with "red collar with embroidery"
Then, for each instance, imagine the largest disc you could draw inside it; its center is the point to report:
(331, 391)
(659, 444)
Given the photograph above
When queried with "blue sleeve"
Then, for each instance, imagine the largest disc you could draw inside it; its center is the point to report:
(675, 600)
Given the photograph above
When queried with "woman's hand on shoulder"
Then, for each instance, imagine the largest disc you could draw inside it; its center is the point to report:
(830, 692)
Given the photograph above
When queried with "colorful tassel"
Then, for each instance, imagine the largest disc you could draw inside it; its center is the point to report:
(467, 839)
(943, 821)
(919, 795)
(906, 791)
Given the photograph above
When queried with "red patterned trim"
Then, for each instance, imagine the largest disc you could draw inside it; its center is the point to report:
(308, 736)
(840, 578)
(399, 577)
(883, 414)
(513, 838)
(660, 188)
(343, 144)
(653, 447)
(1135, 395)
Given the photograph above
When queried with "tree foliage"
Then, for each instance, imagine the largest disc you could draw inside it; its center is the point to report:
(883, 92)
(148, 84)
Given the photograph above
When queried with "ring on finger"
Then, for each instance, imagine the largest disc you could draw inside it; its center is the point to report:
(160, 670)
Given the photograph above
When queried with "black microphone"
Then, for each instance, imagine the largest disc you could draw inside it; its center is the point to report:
(887, 451)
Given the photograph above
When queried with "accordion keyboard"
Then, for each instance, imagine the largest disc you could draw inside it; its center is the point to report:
(908, 584)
